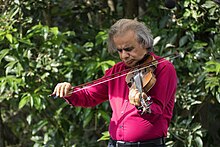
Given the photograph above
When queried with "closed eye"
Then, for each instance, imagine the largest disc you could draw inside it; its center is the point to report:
(127, 49)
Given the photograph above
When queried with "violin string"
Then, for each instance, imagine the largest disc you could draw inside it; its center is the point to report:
(95, 84)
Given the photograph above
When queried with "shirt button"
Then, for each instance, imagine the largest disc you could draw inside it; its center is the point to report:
(120, 126)
(122, 112)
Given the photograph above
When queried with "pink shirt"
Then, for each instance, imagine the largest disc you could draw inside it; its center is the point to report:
(127, 124)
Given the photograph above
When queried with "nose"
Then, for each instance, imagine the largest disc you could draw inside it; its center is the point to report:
(124, 54)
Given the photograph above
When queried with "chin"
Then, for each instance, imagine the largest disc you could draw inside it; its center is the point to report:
(130, 65)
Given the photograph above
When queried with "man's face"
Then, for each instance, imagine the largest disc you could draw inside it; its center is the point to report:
(130, 51)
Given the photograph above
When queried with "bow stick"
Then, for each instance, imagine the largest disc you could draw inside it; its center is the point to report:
(118, 74)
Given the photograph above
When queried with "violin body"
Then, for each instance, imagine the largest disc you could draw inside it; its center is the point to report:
(143, 79)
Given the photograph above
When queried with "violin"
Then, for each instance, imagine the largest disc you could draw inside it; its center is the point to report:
(143, 79)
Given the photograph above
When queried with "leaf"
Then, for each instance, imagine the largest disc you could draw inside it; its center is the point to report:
(195, 127)
(104, 67)
(199, 45)
(9, 67)
(101, 37)
(15, 10)
(54, 30)
(212, 11)
(31, 100)
(45, 75)
(196, 102)
(11, 64)
(198, 141)
(10, 58)
(88, 119)
(156, 40)
(9, 37)
(201, 78)
(34, 30)
(29, 119)
(218, 95)
(212, 66)
(183, 41)
(3, 86)
(105, 136)
(24, 100)
(39, 126)
(3, 53)
(78, 110)
(110, 62)
(209, 4)
(26, 41)
(37, 101)
(104, 115)
(189, 140)
(88, 45)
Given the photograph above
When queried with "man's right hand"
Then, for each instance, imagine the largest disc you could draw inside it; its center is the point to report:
(62, 89)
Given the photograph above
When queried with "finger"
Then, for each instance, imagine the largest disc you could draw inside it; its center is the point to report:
(144, 95)
(62, 89)
(131, 95)
(67, 89)
(137, 99)
(58, 89)
(54, 91)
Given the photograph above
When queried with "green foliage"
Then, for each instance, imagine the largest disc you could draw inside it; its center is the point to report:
(43, 43)
(198, 74)
(212, 80)
(105, 136)
(34, 58)
(193, 31)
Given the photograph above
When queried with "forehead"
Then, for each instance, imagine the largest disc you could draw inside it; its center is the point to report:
(125, 38)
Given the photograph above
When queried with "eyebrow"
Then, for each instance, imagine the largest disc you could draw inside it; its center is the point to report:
(127, 49)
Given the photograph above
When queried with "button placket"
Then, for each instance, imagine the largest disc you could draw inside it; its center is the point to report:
(121, 126)
(124, 107)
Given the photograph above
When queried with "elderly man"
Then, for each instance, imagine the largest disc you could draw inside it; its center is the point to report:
(140, 116)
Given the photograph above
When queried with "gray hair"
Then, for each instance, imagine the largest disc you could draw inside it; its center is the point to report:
(143, 34)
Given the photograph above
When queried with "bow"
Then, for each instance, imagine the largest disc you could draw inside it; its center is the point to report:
(118, 74)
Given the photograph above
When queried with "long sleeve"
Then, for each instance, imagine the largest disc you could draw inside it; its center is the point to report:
(89, 97)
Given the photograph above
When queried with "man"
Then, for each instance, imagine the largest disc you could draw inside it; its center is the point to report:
(128, 126)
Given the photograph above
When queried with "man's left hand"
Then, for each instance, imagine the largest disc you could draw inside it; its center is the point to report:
(134, 96)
